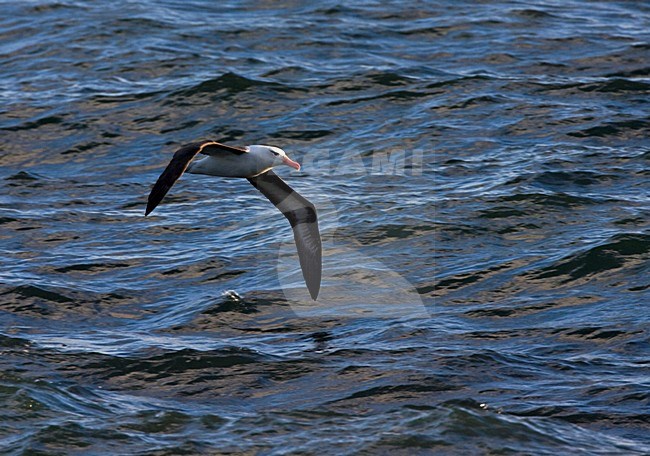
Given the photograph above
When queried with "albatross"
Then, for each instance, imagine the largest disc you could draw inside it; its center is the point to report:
(255, 163)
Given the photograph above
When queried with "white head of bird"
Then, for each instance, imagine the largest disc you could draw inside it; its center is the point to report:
(272, 156)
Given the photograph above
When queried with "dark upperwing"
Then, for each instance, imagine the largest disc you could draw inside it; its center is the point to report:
(178, 164)
(304, 222)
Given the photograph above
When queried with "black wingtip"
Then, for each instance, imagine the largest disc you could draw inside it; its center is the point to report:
(314, 293)
(312, 277)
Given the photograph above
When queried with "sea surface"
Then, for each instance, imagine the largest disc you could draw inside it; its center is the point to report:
(481, 171)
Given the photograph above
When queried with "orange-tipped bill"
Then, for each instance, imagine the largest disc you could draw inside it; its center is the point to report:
(287, 161)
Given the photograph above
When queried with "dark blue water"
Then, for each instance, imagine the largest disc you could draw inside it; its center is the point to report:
(481, 174)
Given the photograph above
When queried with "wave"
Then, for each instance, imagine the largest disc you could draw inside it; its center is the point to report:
(619, 251)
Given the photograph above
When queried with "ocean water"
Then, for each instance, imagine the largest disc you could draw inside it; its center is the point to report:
(481, 174)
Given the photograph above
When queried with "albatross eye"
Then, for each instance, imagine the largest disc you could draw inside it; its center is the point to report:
(275, 153)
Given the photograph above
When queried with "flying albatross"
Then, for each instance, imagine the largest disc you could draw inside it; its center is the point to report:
(254, 163)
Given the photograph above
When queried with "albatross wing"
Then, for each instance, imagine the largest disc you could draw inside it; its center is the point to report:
(178, 164)
(304, 222)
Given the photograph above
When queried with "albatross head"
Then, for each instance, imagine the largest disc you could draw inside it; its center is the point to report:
(273, 156)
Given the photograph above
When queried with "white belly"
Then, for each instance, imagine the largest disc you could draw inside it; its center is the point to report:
(228, 165)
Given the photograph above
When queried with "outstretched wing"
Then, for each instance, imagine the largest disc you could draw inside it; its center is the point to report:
(177, 166)
(304, 222)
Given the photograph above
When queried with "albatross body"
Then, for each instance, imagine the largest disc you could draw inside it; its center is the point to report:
(254, 163)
